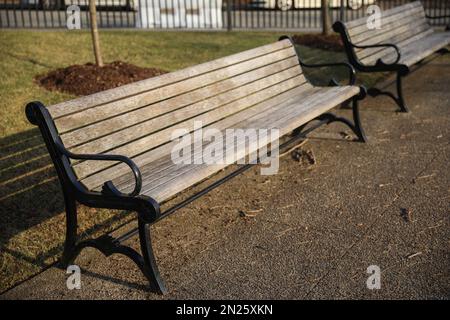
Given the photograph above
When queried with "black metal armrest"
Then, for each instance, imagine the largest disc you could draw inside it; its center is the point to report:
(380, 45)
(350, 68)
(108, 187)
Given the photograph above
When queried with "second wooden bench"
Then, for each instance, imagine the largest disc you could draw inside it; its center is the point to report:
(403, 39)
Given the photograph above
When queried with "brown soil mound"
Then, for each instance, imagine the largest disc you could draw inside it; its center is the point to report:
(319, 41)
(89, 78)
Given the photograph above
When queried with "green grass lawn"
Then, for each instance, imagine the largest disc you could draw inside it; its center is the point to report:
(31, 206)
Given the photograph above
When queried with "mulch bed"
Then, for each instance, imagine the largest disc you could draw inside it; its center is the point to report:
(86, 79)
(319, 41)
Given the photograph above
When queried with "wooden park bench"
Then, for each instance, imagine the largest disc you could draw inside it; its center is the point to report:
(404, 39)
(112, 149)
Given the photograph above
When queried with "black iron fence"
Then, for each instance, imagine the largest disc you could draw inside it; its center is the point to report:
(195, 14)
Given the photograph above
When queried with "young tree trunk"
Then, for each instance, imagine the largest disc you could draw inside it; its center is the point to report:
(94, 32)
(325, 18)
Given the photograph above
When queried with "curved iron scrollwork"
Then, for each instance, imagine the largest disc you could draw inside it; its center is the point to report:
(108, 187)
(380, 62)
(108, 246)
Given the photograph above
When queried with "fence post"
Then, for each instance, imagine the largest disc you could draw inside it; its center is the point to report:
(342, 11)
(229, 27)
(325, 17)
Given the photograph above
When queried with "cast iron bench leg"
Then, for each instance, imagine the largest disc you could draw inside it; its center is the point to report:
(356, 126)
(150, 270)
(108, 245)
(327, 118)
(357, 120)
(399, 99)
(69, 254)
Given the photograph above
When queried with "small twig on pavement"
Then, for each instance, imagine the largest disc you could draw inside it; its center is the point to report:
(414, 255)
(293, 148)
(249, 213)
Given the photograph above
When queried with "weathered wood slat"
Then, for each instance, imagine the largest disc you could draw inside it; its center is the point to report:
(111, 125)
(79, 104)
(151, 157)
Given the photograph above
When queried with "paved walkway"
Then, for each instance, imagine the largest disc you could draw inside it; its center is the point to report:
(314, 230)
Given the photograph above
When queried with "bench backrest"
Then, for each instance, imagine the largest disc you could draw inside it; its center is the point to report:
(137, 120)
(400, 26)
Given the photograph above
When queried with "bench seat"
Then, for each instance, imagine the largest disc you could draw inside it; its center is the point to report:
(418, 50)
(162, 179)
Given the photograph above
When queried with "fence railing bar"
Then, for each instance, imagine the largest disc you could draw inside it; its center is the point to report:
(196, 14)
